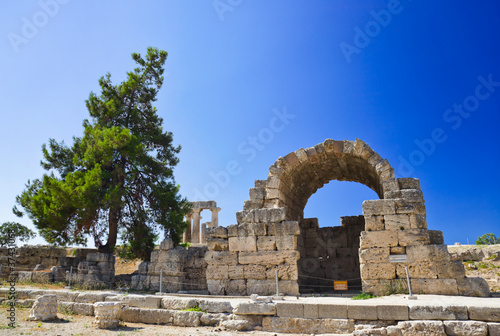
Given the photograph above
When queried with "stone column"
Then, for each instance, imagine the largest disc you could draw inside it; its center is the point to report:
(215, 217)
(195, 233)
(203, 238)
(187, 232)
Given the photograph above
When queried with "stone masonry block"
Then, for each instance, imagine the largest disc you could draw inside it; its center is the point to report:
(283, 228)
(221, 258)
(232, 230)
(218, 244)
(413, 237)
(374, 223)
(286, 309)
(216, 232)
(451, 270)
(247, 244)
(379, 207)
(397, 222)
(374, 255)
(268, 258)
(469, 328)
(286, 242)
(255, 272)
(251, 229)
(434, 286)
(436, 237)
(425, 253)
(429, 312)
(378, 271)
(266, 243)
(408, 183)
(337, 311)
(473, 287)
(404, 206)
(412, 195)
(418, 271)
(418, 221)
(378, 239)
(392, 312)
(490, 314)
(362, 312)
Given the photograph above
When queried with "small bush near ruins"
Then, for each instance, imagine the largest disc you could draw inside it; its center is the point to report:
(363, 296)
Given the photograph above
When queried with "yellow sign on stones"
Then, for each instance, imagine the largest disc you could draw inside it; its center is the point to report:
(340, 285)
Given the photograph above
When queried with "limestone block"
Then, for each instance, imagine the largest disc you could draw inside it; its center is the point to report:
(362, 312)
(218, 244)
(247, 244)
(237, 325)
(66, 296)
(450, 270)
(107, 314)
(257, 194)
(252, 229)
(465, 328)
(378, 239)
(426, 253)
(473, 287)
(252, 308)
(408, 183)
(490, 314)
(311, 311)
(178, 303)
(142, 301)
(176, 255)
(397, 222)
(256, 272)
(232, 230)
(434, 286)
(392, 194)
(392, 312)
(413, 237)
(375, 255)
(307, 326)
(216, 287)
(391, 185)
(287, 309)
(236, 272)
(379, 207)
(155, 316)
(99, 257)
(44, 308)
(166, 244)
(245, 216)
(418, 328)
(236, 287)
(169, 269)
(221, 258)
(412, 195)
(378, 271)
(286, 242)
(285, 272)
(23, 276)
(337, 311)
(283, 228)
(494, 328)
(418, 221)
(374, 223)
(268, 258)
(213, 319)
(90, 297)
(268, 287)
(41, 277)
(382, 287)
(187, 318)
(86, 309)
(404, 206)
(272, 215)
(216, 232)
(266, 243)
(216, 306)
(217, 272)
(428, 312)
(418, 271)
(436, 237)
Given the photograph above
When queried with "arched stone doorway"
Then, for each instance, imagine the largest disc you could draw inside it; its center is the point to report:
(245, 258)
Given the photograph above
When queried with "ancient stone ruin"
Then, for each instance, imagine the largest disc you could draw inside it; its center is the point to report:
(272, 237)
(195, 232)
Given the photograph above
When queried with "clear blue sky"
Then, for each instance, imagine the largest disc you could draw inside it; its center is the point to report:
(393, 74)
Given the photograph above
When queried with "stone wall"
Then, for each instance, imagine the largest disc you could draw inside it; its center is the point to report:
(329, 253)
(97, 271)
(181, 269)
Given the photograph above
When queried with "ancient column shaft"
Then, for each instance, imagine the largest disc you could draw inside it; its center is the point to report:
(195, 233)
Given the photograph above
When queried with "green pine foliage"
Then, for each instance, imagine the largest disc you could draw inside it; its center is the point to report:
(488, 239)
(117, 177)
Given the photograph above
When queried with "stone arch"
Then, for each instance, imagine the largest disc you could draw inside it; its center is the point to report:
(294, 178)
(245, 258)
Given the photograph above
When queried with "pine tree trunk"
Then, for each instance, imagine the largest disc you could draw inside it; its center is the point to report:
(113, 231)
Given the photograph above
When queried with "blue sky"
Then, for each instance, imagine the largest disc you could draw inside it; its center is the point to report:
(419, 81)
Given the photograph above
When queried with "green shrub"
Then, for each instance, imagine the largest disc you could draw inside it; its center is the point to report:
(363, 296)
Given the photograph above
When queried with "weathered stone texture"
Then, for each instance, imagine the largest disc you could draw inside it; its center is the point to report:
(44, 308)
(107, 314)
